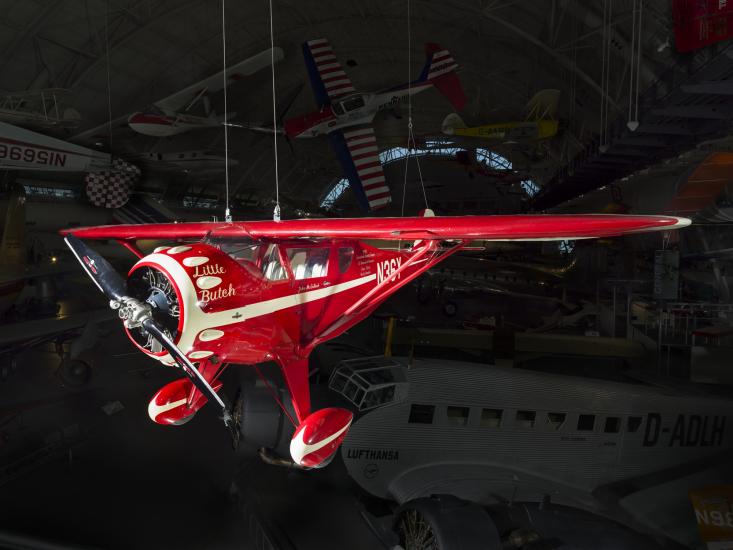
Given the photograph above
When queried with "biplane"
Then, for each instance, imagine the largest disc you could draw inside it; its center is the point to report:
(248, 292)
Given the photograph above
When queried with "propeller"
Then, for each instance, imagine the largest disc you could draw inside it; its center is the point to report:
(135, 314)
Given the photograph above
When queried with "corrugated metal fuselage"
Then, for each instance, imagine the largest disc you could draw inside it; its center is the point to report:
(490, 434)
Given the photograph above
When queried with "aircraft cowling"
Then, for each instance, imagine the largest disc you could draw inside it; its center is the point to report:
(190, 288)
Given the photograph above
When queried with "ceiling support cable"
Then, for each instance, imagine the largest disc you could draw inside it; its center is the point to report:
(411, 142)
(109, 87)
(276, 212)
(227, 211)
(605, 75)
(635, 50)
(638, 62)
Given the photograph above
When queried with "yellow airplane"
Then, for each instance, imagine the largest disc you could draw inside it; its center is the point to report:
(539, 123)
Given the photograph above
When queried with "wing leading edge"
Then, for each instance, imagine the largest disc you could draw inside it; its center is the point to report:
(488, 228)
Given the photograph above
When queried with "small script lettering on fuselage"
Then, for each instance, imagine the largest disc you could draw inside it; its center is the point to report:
(217, 294)
(201, 270)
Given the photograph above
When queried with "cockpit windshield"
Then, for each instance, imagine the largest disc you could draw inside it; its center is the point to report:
(276, 262)
(353, 103)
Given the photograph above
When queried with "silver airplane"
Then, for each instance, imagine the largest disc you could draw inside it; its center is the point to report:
(493, 438)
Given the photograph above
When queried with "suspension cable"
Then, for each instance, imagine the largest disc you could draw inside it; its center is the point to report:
(631, 59)
(276, 213)
(411, 142)
(638, 60)
(109, 87)
(227, 212)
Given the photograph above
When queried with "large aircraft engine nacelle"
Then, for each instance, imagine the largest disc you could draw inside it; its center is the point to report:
(187, 287)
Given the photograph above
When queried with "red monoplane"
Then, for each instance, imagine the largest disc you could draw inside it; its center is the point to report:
(248, 292)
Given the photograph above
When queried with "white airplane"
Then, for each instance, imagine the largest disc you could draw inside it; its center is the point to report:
(495, 437)
(196, 161)
(175, 114)
(22, 149)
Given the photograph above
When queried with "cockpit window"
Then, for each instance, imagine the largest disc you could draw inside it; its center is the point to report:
(338, 109)
(308, 263)
(272, 268)
(240, 249)
(352, 103)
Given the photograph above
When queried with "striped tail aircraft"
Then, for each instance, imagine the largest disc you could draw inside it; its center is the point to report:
(345, 115)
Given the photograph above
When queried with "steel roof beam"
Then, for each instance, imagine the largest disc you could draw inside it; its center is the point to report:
(664, 129)
(710, 112)
(720, 87)
(642, 142)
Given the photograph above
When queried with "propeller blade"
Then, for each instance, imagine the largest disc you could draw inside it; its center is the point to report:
(110, 282)
(188, 368)
(113, 286)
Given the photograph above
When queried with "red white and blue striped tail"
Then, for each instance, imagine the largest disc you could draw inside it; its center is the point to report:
(440, 71)
(325, 69)
(356, 149)
(439, 63)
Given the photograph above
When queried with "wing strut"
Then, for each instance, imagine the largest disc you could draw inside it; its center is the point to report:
(363, 306)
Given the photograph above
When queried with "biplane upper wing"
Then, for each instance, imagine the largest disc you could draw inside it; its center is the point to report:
(327, 77)
(488, 228)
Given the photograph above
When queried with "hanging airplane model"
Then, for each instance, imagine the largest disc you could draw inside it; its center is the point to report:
(345, 116)
(176, 113)
(249, 292)
(38, 109)
(539, 123)
(172, 115)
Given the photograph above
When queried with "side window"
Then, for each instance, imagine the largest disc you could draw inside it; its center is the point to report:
(345, 256)
(525, 419)
(491, 418)
(421, 414)
(633, 424)
(457, 416)
(271, 267)
(613, 425)
(555, 420)
(586, 422)
(308, 263)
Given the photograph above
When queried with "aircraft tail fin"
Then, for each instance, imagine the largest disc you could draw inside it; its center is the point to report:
(451, 123)
(12, 246)
(440, 71)
(543, 105)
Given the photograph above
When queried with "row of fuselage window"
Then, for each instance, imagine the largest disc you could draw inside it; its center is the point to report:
(495, 418)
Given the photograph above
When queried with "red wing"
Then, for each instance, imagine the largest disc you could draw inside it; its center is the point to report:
(134, 232)
(489, 228)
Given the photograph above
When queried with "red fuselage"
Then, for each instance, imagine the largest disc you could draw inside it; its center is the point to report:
(246, 301)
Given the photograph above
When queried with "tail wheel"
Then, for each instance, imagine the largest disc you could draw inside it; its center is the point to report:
(415, 532)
